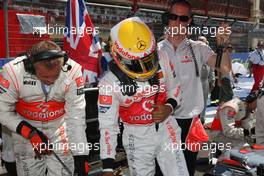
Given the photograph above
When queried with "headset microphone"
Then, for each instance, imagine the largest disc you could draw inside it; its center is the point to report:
(18, 62)
(69, 67)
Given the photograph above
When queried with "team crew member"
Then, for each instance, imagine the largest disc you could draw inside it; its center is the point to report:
(256, 65)
(40, 105)
(188, 57)
(235, 123)
(142, 90)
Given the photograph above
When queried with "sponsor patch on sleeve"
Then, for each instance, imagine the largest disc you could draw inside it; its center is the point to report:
(3, 82)
(79, 81)
(177, 92)
(172, 69)
(171, 66)
(160, 75)
(105, 99)
(103, 109)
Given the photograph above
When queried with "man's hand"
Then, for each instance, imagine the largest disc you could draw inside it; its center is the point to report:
(160, 113)
(248, 123)
(81, 165)
(40, 144)
(108, 174)
(39, 141)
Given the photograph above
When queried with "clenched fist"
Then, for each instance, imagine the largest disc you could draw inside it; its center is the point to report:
(161, 112)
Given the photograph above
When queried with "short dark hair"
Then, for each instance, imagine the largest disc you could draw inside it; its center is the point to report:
(44, 46)
(181, 2)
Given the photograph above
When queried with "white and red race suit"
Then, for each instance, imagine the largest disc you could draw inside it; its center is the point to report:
(230, 124)
(257, 59)
(56, 110)
(141, 140)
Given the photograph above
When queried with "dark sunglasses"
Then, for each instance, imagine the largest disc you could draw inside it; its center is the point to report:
(174, 17)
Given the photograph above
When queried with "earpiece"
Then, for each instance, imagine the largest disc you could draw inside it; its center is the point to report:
(69, 67)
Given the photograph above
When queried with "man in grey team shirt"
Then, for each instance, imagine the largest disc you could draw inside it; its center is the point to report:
(188, 61)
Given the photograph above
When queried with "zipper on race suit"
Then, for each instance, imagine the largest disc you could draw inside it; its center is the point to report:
(46, 93)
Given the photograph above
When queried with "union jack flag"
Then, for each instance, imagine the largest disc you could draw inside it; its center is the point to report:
(81, 40)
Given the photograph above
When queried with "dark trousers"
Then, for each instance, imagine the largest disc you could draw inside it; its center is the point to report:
(190, 157)
(226, 91)
(10, 168)
(215, 93)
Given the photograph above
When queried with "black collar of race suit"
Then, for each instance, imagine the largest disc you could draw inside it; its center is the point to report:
(128, 85)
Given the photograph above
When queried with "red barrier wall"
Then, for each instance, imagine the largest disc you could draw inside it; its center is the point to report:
(18, 43)
(2, 36)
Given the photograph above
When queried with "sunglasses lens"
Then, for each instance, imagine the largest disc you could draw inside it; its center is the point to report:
(175, 17)
(184, 18)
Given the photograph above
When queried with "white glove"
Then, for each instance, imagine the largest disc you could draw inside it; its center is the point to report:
(248, 123)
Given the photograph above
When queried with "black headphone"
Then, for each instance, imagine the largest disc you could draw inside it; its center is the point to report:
(45, 55)
(165, 17)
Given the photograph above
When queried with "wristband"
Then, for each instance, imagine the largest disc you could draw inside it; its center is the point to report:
(108, 163)
(172, 102)
(172, 109)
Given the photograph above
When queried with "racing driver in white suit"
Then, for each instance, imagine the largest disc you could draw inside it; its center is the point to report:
(40, 105)
(141, 89)
(234, 123)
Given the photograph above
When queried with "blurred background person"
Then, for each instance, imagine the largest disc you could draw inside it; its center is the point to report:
(226, 90)
(256, 64)
(207, 79)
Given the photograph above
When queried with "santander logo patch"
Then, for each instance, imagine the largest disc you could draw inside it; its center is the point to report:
(147, 105)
